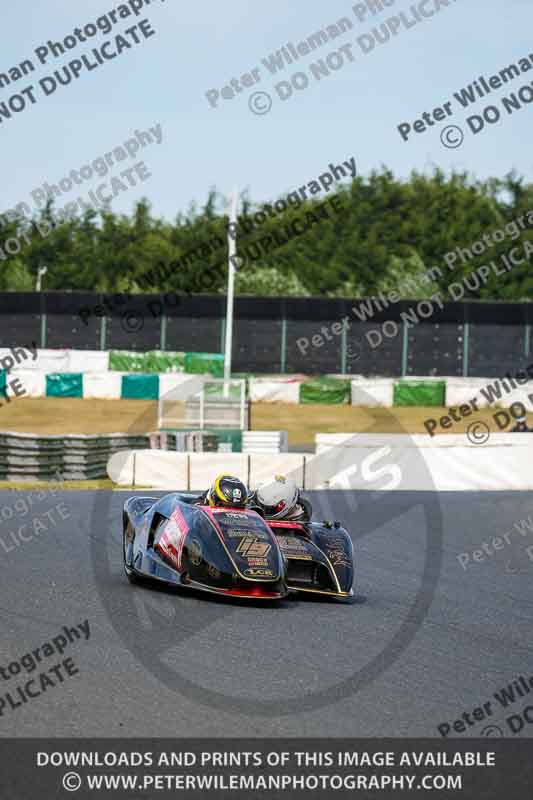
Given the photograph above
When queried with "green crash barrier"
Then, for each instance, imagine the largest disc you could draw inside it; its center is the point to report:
(420, 393)
(202, 363)
(64, 384)
(140, 387)
(232, 437)
(152, 361)
(331, 391)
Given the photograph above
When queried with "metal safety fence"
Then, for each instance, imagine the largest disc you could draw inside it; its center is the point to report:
(283, 335)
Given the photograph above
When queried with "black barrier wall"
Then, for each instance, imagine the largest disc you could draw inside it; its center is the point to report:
(283, 335)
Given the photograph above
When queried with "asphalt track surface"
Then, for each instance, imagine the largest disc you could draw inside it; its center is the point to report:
(474, 637)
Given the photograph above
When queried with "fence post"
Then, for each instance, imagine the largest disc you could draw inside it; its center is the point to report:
(103, 332)
(43, 321)
(283, 358)
(222, 334)
(344, 337)
(527, 340)
(163, 332)
(466, 347)
(405, 349)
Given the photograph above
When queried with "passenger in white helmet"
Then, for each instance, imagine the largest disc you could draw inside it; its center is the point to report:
(280, 499)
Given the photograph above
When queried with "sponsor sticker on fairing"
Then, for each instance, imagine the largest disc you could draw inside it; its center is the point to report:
(249, 547)
(173, 538)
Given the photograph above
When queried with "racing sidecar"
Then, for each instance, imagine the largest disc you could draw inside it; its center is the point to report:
(234, 552)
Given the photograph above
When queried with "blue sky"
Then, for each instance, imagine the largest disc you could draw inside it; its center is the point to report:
(202, 46)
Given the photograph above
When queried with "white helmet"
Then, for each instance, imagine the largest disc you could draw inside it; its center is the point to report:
(278, 498)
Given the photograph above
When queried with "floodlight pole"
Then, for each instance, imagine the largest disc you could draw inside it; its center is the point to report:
(232, 255)
(40, 272)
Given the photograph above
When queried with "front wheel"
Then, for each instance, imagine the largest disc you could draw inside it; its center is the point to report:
(131, 575)
(126, 546)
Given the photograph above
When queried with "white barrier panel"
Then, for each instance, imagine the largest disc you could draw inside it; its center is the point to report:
(265, 442)
(460, 391)
(385, 462)
(373, 392)
(267, 390)
(87, 361)
(49, 361)
(102, 385)
(419, 441)
(164, 469)
(33, 382)
(120, 468)
(420, 462)
(161, 469)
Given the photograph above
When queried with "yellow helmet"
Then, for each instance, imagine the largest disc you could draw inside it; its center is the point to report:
(227, 491)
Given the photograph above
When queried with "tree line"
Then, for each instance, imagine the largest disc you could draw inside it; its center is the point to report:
(384, 235)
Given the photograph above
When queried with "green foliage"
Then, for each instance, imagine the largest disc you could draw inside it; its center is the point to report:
(268, 282)
(386, 236)
(16, 276)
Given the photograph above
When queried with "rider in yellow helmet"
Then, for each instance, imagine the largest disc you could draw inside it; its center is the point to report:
(226, 491)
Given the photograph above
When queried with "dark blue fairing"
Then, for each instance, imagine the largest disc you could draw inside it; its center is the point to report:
(233, 551)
